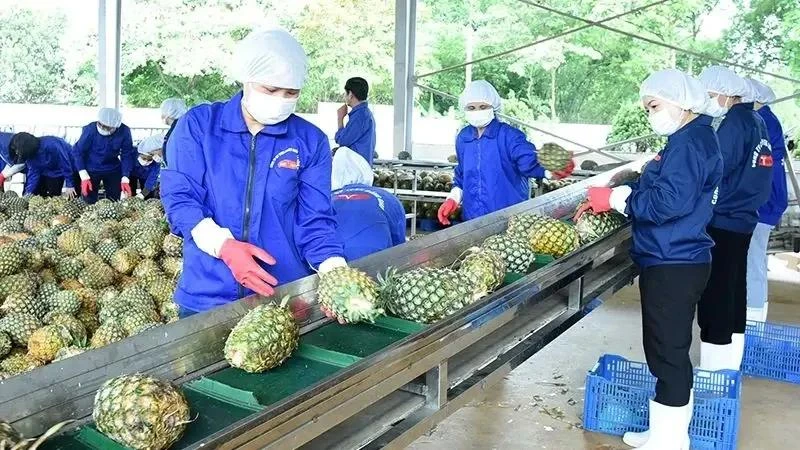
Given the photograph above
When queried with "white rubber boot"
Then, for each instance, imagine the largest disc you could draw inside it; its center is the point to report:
(639, 439)
(669, 427)
(736, 353)
(714, 357)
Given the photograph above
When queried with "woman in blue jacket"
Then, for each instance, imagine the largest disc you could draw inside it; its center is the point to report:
(769, 214)
(9, 167)
(146, 169)
(104, 154)
(248, 183)
(48, 161)
(670, 207)
(495, 160)
(745, 187)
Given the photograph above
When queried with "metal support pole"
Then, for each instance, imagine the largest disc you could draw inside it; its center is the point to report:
(437, 384)
(575, 294)
(404, 43)
(792, 177)
(109, 25)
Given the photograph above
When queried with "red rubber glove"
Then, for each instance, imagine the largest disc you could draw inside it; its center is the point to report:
(2, 182)
(86, 187)
(559, 174)
(448, 207)
(126, 188)
(597, 199)
(239, 257)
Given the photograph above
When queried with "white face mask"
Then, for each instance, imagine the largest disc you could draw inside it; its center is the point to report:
(714, 109)
(104, 132)
(145, 162)
(479, 118)
(268, 109)
(158, 159)
(664, 122)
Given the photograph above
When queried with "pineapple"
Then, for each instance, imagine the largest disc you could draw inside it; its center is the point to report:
(125, 260)
(11, 439)
(135, 321)
(553, 237)
(19, 362)
(106, 249)
(171, 266)
(520, 225)
(263, 339)
(45, 342)
(486, 269)
(149, 239)
(89, 320)
(425, 294)
(553, 157)
(73, 242)
(169, 311)
(350, 295)
(22, 282)
(12, 258)
(69, 268)
(160, 288)
(106, 334)
(146, 269)
(592, 226)
(19, 327)
(23, 302)
(96, 273)
(5, 343)
(76, 328)
(173, 246)
(66, 302)
(68, 352)
(515, 251)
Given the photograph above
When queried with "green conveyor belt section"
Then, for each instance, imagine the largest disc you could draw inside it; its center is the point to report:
(359, 340)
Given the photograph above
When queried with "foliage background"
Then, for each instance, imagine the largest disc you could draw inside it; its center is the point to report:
(182, 48)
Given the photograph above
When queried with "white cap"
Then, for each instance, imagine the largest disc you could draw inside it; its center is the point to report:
(272, 57)
(349, 168)
(761, 93)
(675, 87)
(479, 91)
(173, 108)
(109, 117)
(721, 80)
(150, 144)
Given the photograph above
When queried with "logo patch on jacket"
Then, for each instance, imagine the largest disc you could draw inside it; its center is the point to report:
(354, 196)
(289, 162)
(762, 155)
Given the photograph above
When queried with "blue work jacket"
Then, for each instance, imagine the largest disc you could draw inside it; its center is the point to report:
(359, 133)
(368, 219)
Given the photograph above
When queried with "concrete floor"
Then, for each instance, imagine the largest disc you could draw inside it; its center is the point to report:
(540, 403)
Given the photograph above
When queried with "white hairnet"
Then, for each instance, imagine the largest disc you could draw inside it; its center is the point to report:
(721, 80)
(677, 88)
(150, 143)
(349, 168)
(761, 93)
(272, 57)
(173, 108)
(479, 91)
(109, 117)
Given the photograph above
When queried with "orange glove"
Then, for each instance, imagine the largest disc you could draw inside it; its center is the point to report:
(2, 182)
(126, 188)
(598, 199)
(86, 187)
(448, 207)
(559, 174)
(240, 258)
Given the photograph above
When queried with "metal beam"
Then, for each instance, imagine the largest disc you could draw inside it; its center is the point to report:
(109, 24)
(653, 41)
(404, 46)
(540, 41)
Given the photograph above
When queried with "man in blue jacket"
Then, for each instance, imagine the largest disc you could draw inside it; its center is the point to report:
(49, 164)
(769, 214)
(368, 219)
(359, 133)
(248, 183)
(104, 154)
(746, 185)
(146, 169)
(9, 167)
(171, 110)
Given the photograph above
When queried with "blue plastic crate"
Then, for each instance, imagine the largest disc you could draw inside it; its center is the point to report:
(618, 392)
(772, 350)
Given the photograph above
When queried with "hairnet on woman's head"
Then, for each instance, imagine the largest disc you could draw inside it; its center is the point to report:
(721, 80)
(109, 117)
(272, 57)
(349, 168)
(675, 87)
(479, 91)
(761, 93)
(150, 144)
(173, 108)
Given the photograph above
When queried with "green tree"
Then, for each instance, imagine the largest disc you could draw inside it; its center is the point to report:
(631, 122)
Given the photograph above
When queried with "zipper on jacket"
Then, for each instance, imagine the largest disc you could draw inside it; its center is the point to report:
(248, 197)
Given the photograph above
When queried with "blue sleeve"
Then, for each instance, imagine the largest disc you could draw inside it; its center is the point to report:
(676, 190)
(31, 179)
(397, 219)
(65, 162)
(523, 153)
(458, 172)
(775, 131)
(315, 222)
(128, 156)
(82, 147)
(352, 132)
(182, 190)
(730, 141)
(152, 177)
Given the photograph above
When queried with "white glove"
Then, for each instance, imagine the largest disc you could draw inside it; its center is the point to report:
(68, 192)
(330, 264)
(84, 175)
(209, 236)
(456, 194)
(619, 198)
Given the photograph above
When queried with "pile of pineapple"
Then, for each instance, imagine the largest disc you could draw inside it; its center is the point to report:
(74, 277)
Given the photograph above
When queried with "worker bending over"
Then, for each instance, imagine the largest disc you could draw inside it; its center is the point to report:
(48, 161)
(147, 168)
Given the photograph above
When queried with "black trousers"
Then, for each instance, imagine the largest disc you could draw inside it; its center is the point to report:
(111, 183)
(723, 306)
(49, 186)
(669, 297)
